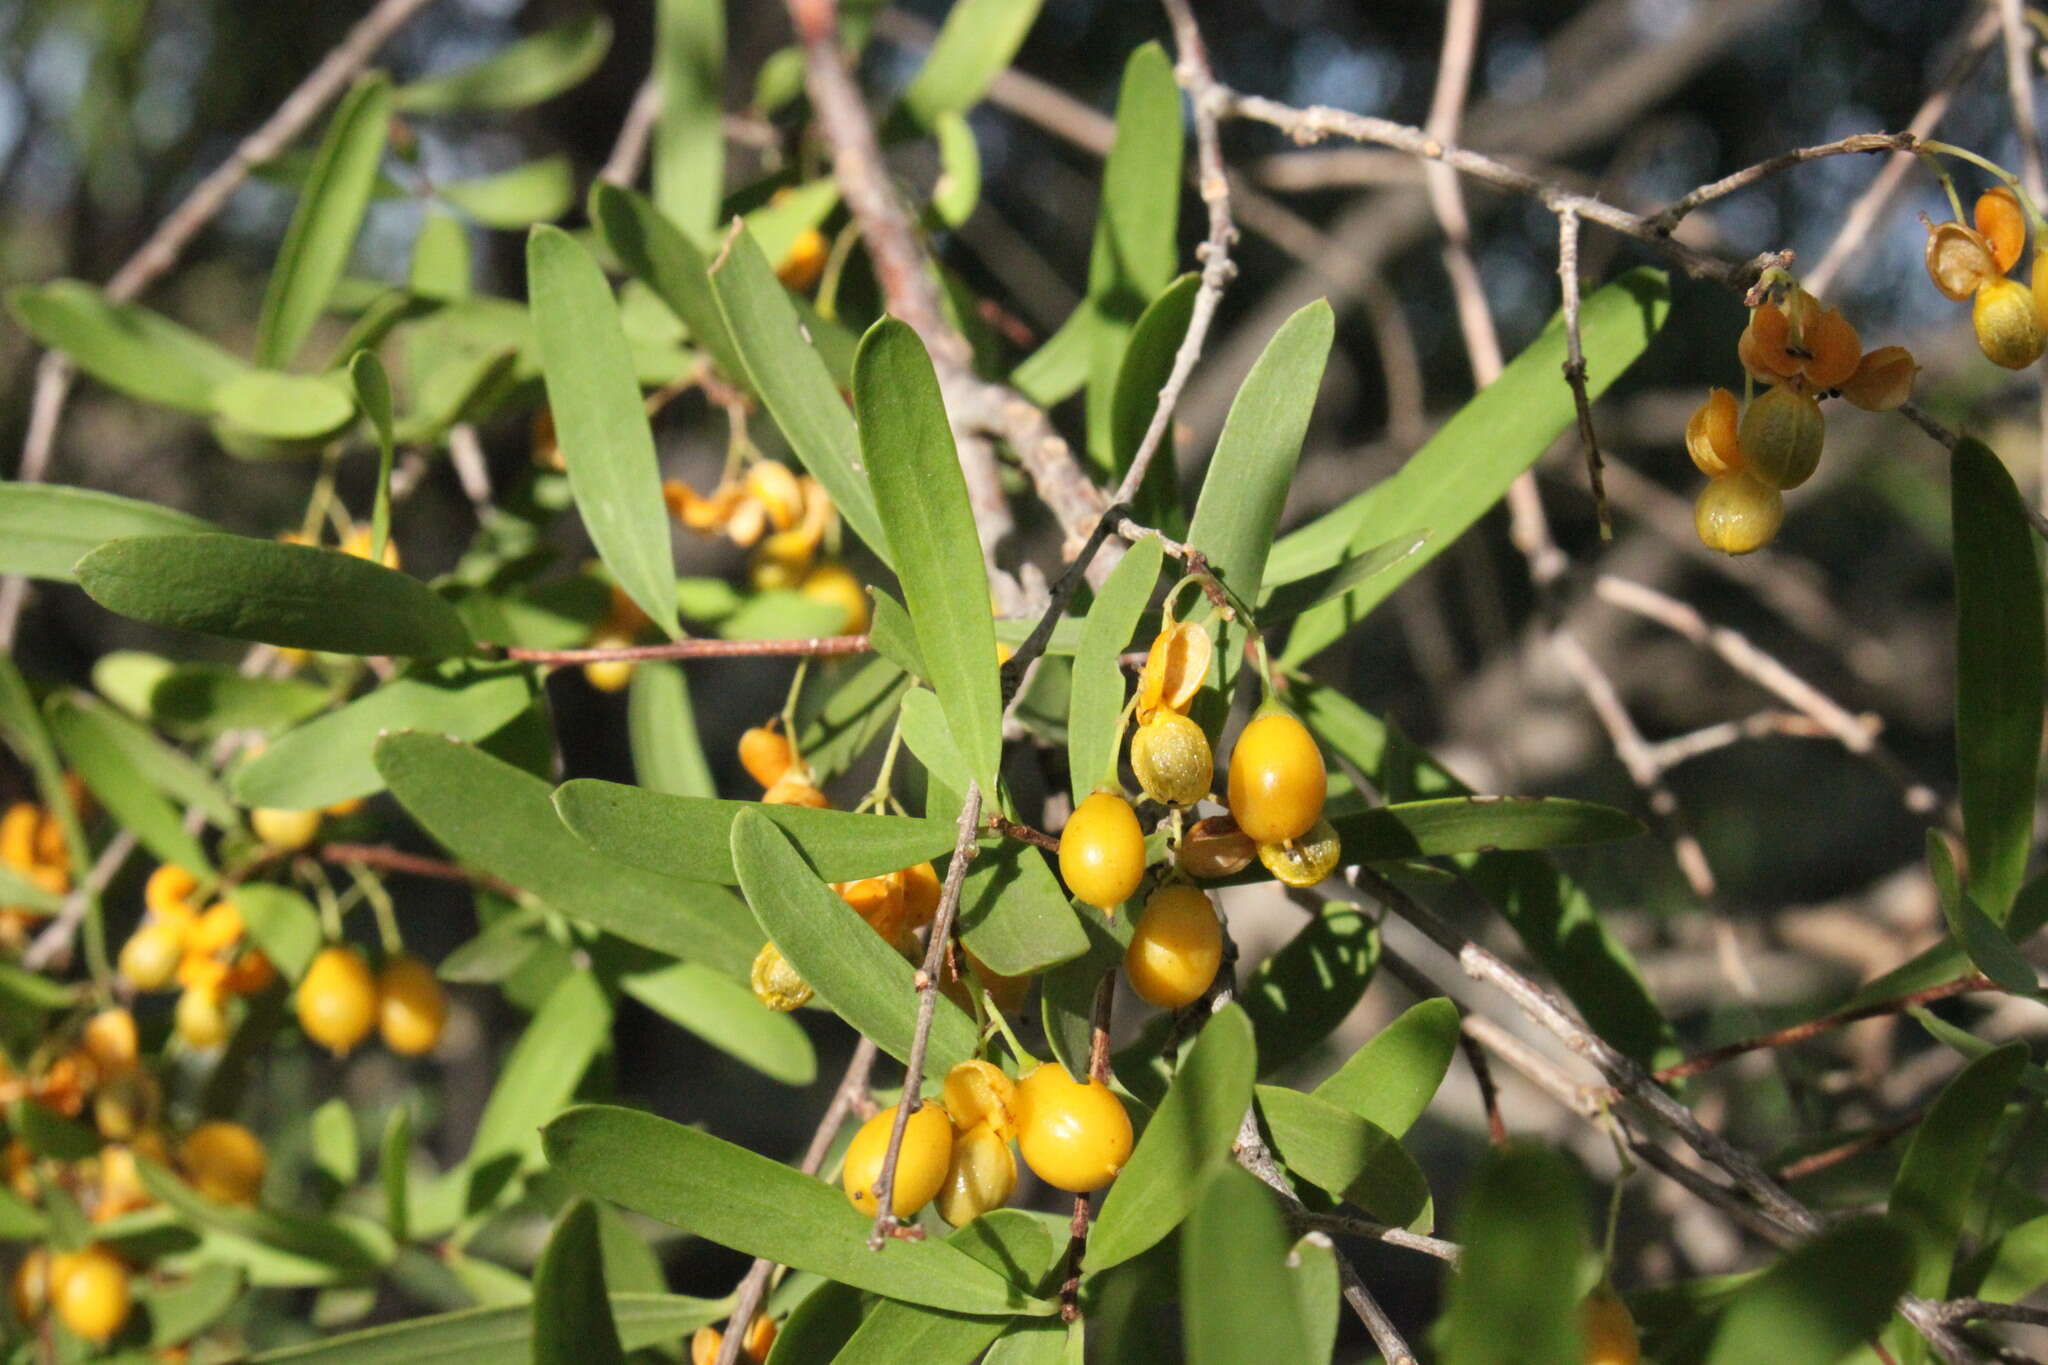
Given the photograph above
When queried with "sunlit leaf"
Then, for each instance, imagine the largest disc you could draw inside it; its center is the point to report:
(975, 43)
(526, 72)
(687, 159)
(534, 192)
(1347, 1157)
(725, 1014)
(84, 730)
(1821, 1301)
(572, 1317)
(1514, 1296)
(124, 345)
(1096, 695)
(1300, 994)
(1237, 1304)
(1392, 1079)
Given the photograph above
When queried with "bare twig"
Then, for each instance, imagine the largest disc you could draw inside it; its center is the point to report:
(1010, 829)
(928, 978)
(1985, 1310)
(1344, 1225)
(803, 648)
(1482, 1076)
(636, 133)
(1811, 1028)
(2019, 84)
(1062, 593)
(1575, 363)
(53, 944)
(1099, 1019)
(387, 859)
(1844, 1151)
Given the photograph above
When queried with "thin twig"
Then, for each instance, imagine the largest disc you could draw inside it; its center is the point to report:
(636, 134)
(1985, 1310)
(928, 978)
(1099, 1019)
(1575, 363)
(1010, 829)
(805, 648)
(1842, 1151)
(1811, 1028)
(1344, 1225)
(53, 944)
(387, 859)
(1062, 593)
(1489, 1098)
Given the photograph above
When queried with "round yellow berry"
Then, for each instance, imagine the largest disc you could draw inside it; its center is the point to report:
(149, 959)
(90, 1292)
(981, 1177)
(1074, 1137)
(1277, 779)
(337, 1001)
(766, 754)
(2008, 330)
(1175, 947)
(1304, 861)
(776, 983)
(1738, 514)
(411, 1006)
(1171, 757)
(111, 1041)
(286, 831)
(1781, 435)
(169, 890)
(224, 1161)
(921, 1167)
(201, 1017)
(832, 583)
(1214, 848)
(1102, 851)
(1608, 1330)
(977, 1093)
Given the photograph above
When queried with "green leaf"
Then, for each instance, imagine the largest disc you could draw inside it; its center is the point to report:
(662, 257)
(204, 701)
(865, 981)
(179, 1312)
(341, 1247)
(2015, 1264)
(1014, 915)
(373, 396)
(725, 1014)
(323, 229)
(1189, 1137)
(391, 1171)
(688, 156)
(852, 716)
(49, 1134)
(1514, 1298)
(1391, 1080)
(958, 188)
(524, 73)
(336, 1154)
(1347, 1157)
(1096, 696)
(892, 635)
(1237, 1304)
(1299, 995)
(1471, 824)
(1284, 601)
(691, 836)
(441, 267)
(731, 1196)
(497, 818)
(1317, 1290)
(776, 225)
(600, 422)
(84, 731)
(491, 1336)
(1467, 466)
(1985, 943)
(921, 494)
(1008, 1241)
(331, 759)
(975, 43)
(284, 407)
(157, 764)
(283, 924)
(533, 192)
(931, 739)
(572, 1317)
(45, 528)
(16, 890)
(34, 991)
(795, 386)
(124, 345)
(1822, 1300)
(1147, 364)
(272, 593)
(1067, 993)
(661, 729)
(1999, 669)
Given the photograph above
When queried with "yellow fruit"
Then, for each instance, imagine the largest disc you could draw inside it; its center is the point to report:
(1781, 435)
(922, 889)
(921, 1167)
(285, 831)
(201, 1017)
(169, 889)
(796, 791)
(110, 1040)
(411, 1006)
(776, 983)
(704, 1344)
(1102, 851)
(1277, 779)
(766, 754)
(831, 582)
(1608, 1330)
(218, 929)
(1175, 947)
(224, 1161)
(121, 1188)
(1959, 260)
(357, 543)
(2008, 330)
(30, 1291)
(18, 830)
(977, 1093)
(337, 1000)
(1738, 514)
(878, 900)
(1171, 757)
(760, 1339)
(90, 1293)
(609, 675)
(2002, 226)
(1074, 1137)
(1214, 848)
(805, 262)
(1710, 435)
(1175, 667)
(123, 1103)
(982, 1176)
(149, 959)
(1304, 861)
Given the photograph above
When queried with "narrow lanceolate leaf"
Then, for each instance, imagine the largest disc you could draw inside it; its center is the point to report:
(1312, 1265)
(272, 593)
(124, 345)
(975, 43)
(157, 764)
(517, 197)
(1285, 601)
(922, 497)
(1347, 1157)
(1999, 668)
(600, 422)
(731, 1196)
(725, 1014)
(661, 730)
(93, 752)
(500, 820)
(1010, 1242)
(1237, 1301)
(331, 759)
(1469, 824)
(283, 924)
(527, 72)
(1247, 481)
(864, 980)
(1096, 695)
(659, 255)
(1467, 466)
(1982, 940)
(1823, 1299)
(688, 157)
(1515, 1294)
(341, 1245)
(785, 369)
(1147, 364)
(1014, 915)
(46, 528)
(373, 396)
(494, 1335)
(1297, 997)
(1392, 1079)
(323, 228)
(1189, 1137)
(691, 836)
(572, 1317)
(293, 410)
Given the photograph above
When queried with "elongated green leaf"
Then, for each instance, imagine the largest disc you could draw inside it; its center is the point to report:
(497, 818)
(1514, 1297)
(795, 386)
(854, 716)
(124, 345)
(46, 528)
(491, 1336)
(600, 422)
(1467, 466)
(1189, 1137)
(1014, 915)
(729, 1195)
(1096, 695)
(907, 445)
(726, 1015)
(373, 396)
(527, 72)
(16, 890)
(572, 1317)
(931, 739)
(776, 225)
(1824, 1298)
(958, 189)
(203, 701)
(1318, 1292)
(179, 1312)
(1010, 1242)
(283, 924)
(277, 594)
(864, 980)
(688, 158)
(1299, 995)
(345, 1246)
(1154, 341)
(661, 728)
(892, 635)
(1999, 668)
(290, 408)
(391, 1171)
(1392, 1079)
(337, 1156)
(1985, 943)
(1237, 1304)
(84, 732)
(1067, 992)
(661, 256)
(34, 991)
(975, 43)
(157, 764)
(1346, 1156)
(535, 192)
(441, 267)
(1469, 824)
(2016, 1264)
(331, 759)
(1284, 601)
(324, 226)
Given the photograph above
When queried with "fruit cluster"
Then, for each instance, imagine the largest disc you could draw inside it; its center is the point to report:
(1965, 262)
(339, 1001)
(759, 1340)
(787, 521)
(204, 953)
(32, 847)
